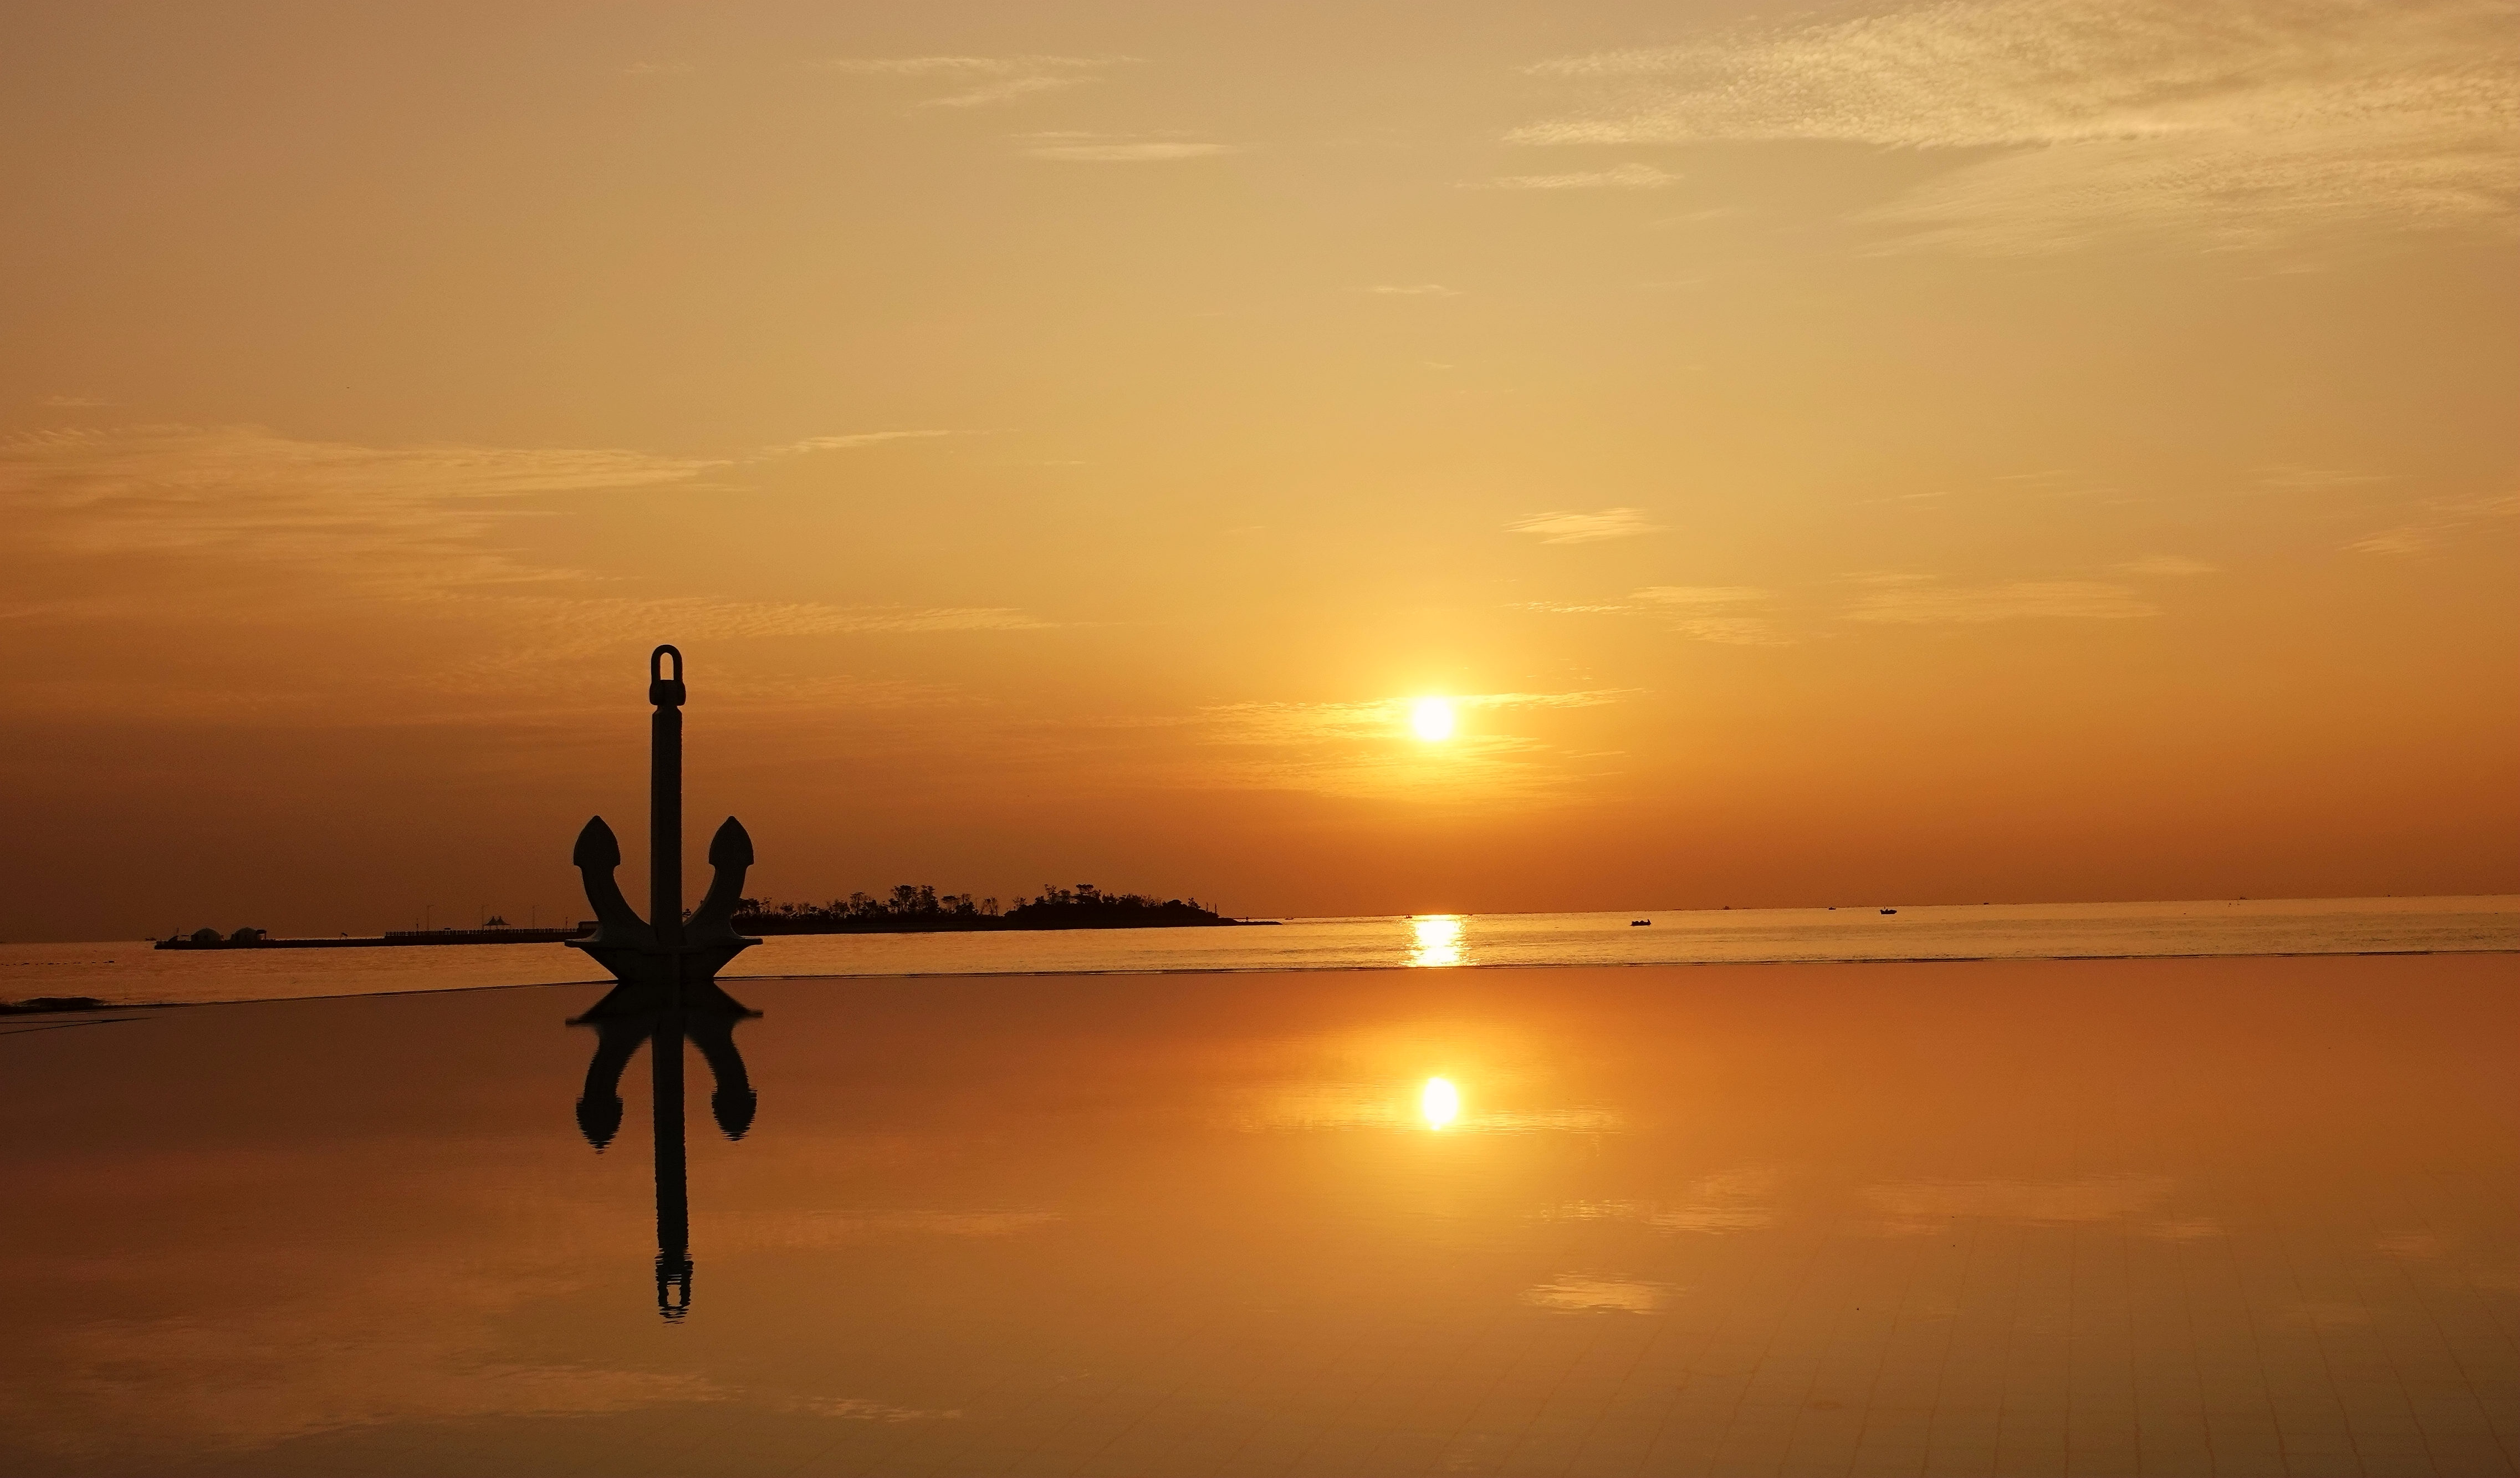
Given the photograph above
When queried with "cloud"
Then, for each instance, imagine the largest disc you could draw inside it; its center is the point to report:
(656, 69)
(1700, 597)
(2449, 522)
(930, 67)
(987, 81)
(1712, 613)
(1365, 748)
(1128, 151)
(2290, 478)
(1706, 612)
(391, 514)
(850, 440)
(1922, 1207)
(1377, 718)
(1008, 90)
(245, 492)
(193, 534)
(2225, 125)
(1563, 528)
(1416, 290)
(1732, 1201)
(1617, 177)
(2168, 565)
(70, 402)
(704, 617)
(1915, 601)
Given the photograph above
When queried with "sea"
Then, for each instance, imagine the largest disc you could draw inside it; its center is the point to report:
(132, 973)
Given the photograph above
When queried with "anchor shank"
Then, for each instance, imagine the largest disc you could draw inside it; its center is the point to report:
(665, 805)
(673, 1196)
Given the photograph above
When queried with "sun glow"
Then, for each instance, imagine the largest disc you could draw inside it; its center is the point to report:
(1432, 719)
(1441, 1102)
(1436, 940)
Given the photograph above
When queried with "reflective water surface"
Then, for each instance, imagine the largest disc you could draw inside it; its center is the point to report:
(2168, 1216)
(135, 973)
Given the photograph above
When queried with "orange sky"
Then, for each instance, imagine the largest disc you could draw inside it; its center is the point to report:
(2012, 450)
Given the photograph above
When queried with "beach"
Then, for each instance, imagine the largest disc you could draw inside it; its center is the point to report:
(2238, 1215)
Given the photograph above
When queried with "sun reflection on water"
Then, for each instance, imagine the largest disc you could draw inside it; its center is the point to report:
(1438, 941)
(1441, 1102)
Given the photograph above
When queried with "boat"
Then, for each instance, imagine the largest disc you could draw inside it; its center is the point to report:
(1889, 910)
(1639, 923)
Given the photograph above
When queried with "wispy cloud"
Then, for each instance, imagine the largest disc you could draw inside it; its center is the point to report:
(1617, 177)
(656, 69)
(1700, 597)
(2445, 522)
(982, 81)
(1571, 608)
(2203, 125)
(1717, 613)
(70, 402)
(1562, 528)
(2168, 565)
(1123, 150)
(1366, 747)
(2293, 479)
(197, 531)
(852, 440)
(1725, 614)
(1913, 600)
(1415, 290)
(247, 493)
(960, 67)
(388, 511)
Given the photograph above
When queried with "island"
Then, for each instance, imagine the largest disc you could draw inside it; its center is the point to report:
(907, 910)
(921, 909)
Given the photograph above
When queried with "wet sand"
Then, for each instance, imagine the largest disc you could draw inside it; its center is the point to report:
(2252, 1216)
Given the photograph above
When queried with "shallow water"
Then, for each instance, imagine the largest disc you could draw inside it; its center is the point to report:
(2247, 1216)
(133, 972)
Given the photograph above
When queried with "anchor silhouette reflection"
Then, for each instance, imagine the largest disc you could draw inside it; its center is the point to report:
(666, 966)
(731, 1102)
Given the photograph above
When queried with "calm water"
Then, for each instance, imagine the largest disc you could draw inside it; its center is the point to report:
(2231, 1216)
(133, 972)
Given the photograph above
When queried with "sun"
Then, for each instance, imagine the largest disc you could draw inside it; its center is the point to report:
(1441, 1102)
(1432, 719)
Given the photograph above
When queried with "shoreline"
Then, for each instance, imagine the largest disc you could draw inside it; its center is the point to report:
(11, 1012)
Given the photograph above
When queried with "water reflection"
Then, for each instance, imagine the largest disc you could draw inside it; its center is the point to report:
(731, 1102)
(1441, 1103)
(1438, 941)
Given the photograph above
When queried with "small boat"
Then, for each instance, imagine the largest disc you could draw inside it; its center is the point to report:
(1889, 910)
(1639, 923)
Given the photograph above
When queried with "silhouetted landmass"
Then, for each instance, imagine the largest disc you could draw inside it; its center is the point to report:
(921, 909)
(41, 1005)
(491, 934)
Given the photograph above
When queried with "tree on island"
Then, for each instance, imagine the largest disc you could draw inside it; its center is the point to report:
(920, 907)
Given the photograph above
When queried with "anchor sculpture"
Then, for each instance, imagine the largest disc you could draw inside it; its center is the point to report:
(666, 968)
(666, 963)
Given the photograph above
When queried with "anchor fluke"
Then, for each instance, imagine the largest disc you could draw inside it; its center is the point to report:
(732, 847)
(599, 1120)
(729, 854)
(597, 846)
